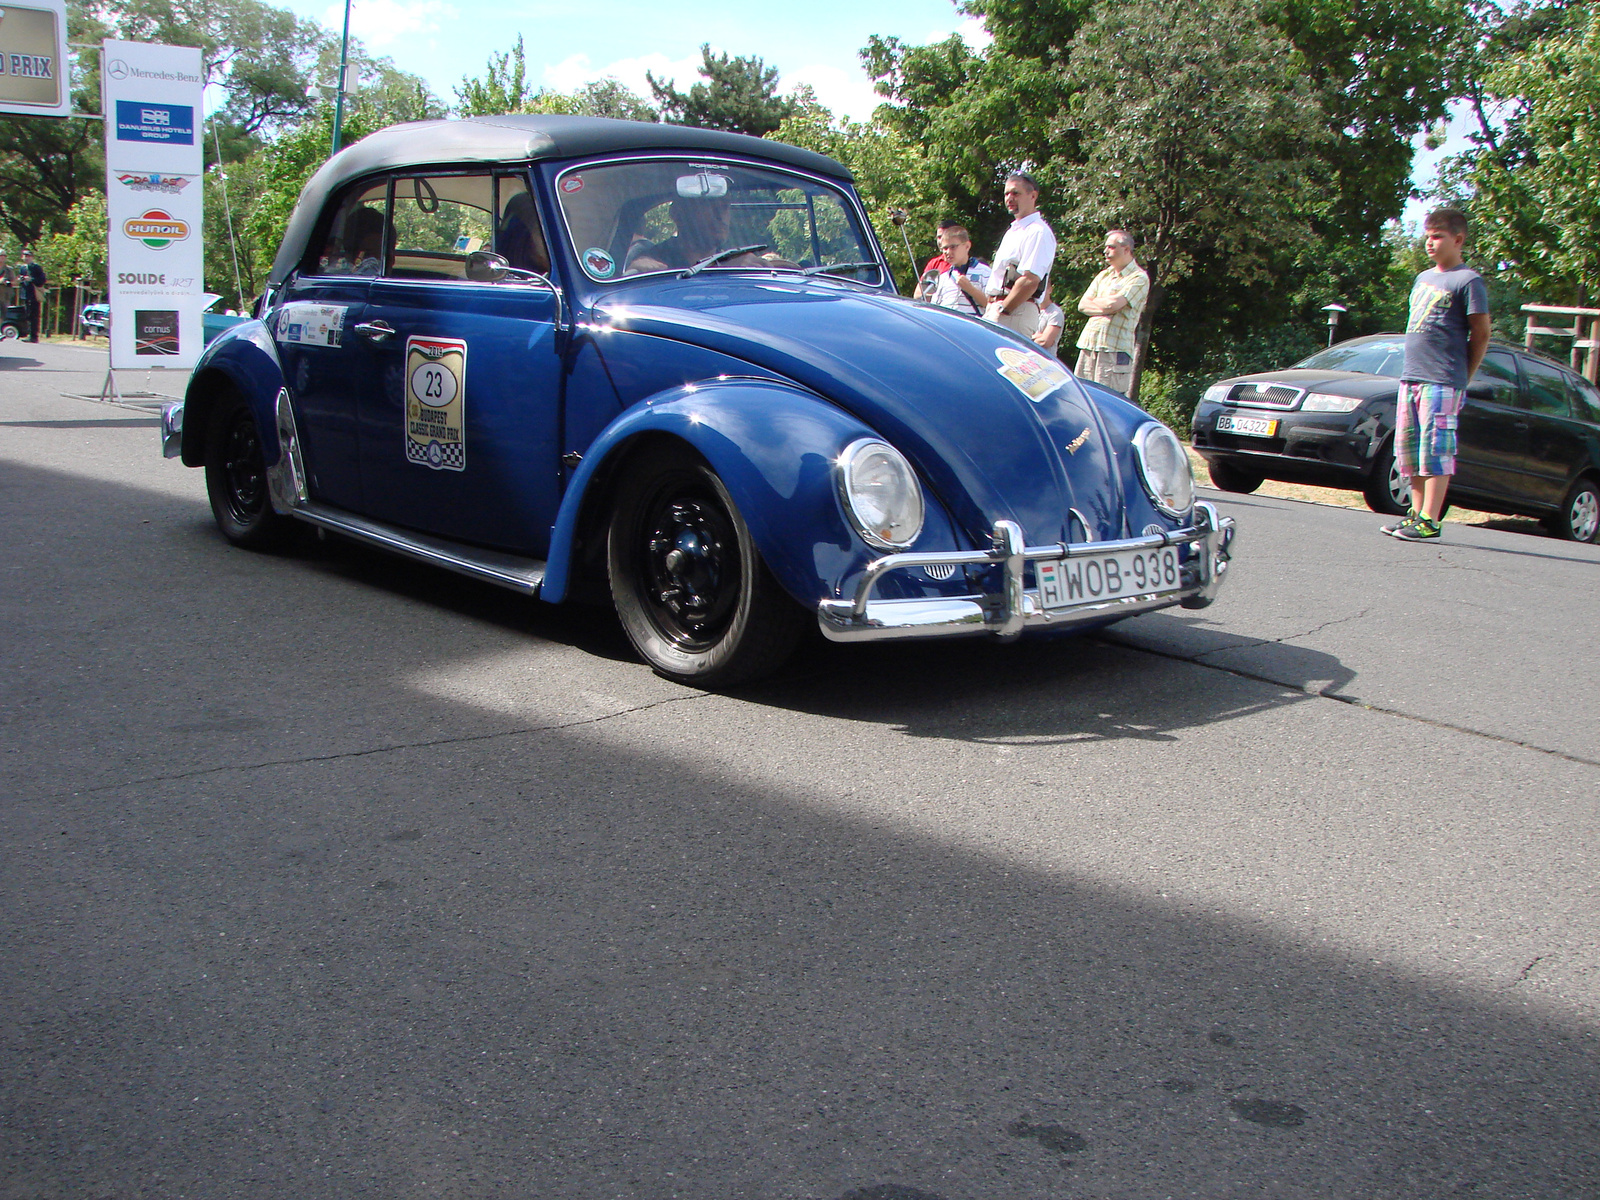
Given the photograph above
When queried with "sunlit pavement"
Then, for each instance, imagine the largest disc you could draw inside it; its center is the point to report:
(327, 875)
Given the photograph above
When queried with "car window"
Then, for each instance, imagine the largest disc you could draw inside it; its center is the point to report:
(1588, 397)
(518, 233)
(1369, 358)
(1496, 380)
(1546, 388)
(438, 221)
(642, 216)
(353, 244)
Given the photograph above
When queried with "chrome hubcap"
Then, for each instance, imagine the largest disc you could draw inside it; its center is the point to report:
(1585, 515)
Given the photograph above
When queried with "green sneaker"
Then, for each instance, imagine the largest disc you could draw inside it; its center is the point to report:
(1420, 530)
(1409, 519)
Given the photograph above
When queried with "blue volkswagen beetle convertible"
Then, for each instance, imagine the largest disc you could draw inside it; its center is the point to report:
(579, 358)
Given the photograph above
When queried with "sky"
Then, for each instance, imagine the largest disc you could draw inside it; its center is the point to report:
(571, 44)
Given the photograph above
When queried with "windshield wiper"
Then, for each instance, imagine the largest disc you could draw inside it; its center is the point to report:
(831, 268)
(719, 256)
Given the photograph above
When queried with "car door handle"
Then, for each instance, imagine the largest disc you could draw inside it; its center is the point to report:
(375, 331)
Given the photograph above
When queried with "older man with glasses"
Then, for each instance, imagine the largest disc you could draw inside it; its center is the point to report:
(1114, 302)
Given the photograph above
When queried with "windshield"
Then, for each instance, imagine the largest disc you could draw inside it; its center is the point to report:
(642, 216)
(1369, 358)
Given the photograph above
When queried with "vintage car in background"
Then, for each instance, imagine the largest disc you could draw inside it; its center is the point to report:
(1528, 439)
(589, 358)
(97, 318)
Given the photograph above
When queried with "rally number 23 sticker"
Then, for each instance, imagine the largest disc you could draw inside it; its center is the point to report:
(436, 386)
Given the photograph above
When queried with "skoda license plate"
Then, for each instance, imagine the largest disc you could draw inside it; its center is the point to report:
(1249, 426)
(1068, 581)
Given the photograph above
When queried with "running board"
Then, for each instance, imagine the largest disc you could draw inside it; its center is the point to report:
(492, 566)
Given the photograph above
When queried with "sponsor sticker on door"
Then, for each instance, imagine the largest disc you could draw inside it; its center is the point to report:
(436, 384)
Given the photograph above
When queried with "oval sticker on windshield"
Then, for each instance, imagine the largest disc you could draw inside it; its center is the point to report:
(1034, 375)
(572, 183)
(598, 263)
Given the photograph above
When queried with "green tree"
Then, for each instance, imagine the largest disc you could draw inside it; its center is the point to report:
(1530, 184)
(1194, 123)
(80, 252)
(504, 88)
(891, 172)
(738, 94)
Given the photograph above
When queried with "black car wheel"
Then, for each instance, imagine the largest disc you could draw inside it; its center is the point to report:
(1232, 479)
(690, 587)
(1387, 491)
(236, 478)
(1579, 518)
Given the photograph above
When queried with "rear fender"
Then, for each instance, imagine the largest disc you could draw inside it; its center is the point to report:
(242, 360)
(772, 445)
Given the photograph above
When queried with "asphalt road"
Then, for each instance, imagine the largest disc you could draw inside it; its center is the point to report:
(327, 875)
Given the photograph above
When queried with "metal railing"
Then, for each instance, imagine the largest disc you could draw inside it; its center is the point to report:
(1584, 332)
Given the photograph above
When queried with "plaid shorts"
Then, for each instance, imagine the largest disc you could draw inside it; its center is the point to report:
(1425, 429)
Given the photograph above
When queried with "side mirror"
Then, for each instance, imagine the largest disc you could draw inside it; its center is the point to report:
(485, 266)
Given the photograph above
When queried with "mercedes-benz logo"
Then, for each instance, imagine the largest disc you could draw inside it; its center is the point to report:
(117, 69)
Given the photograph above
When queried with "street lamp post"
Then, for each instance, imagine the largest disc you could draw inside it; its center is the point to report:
(344, 58)
(1334, 311)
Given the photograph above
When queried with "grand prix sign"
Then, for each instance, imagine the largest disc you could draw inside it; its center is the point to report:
(35, 73)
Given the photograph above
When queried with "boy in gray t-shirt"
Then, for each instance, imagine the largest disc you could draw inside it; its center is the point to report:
(1445, 339)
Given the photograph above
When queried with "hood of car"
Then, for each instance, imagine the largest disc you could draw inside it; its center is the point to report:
(946, 390)
(1333, 383)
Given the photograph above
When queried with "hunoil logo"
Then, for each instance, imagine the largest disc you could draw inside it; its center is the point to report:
(156, 229)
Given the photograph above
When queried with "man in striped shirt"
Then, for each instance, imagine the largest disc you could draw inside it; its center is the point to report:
(1113, 303)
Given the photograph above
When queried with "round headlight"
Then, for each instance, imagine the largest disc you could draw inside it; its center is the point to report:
(881, 493)
(1164, 467)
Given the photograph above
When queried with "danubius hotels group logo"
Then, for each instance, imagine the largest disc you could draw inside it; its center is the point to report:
(156, 229)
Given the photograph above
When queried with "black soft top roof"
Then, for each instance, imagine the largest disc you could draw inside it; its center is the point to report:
(523, 137)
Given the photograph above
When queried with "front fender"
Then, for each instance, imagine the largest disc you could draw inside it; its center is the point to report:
(242, 359)
(772, 445)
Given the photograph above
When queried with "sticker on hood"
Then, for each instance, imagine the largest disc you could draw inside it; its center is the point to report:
(1034, 375)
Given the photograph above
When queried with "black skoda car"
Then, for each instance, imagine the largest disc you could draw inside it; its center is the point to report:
(1529, 435)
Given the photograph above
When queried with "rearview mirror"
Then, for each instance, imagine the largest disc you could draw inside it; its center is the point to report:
(703, 186)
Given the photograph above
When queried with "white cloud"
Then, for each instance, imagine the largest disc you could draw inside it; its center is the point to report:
(971, 31)
(845, 93)
(575, 70)
(382, 22)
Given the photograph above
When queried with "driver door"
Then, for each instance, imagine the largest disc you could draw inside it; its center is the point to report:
(459, 417)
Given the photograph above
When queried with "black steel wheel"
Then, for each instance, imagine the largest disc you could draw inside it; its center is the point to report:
(689, 585)
(236, 478)
(1233, 479)
(1387, 491)
(1579, 518)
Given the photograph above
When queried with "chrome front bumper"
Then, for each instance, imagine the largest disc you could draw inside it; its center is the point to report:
(863, 619)
(172, 430)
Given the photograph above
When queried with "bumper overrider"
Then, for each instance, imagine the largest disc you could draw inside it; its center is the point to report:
(1018, 607)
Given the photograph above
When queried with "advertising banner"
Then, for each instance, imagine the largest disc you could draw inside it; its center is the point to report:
(35, 73)
(155, 156)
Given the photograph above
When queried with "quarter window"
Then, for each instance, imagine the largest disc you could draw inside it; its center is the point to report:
(1588, 400)
(353, 244)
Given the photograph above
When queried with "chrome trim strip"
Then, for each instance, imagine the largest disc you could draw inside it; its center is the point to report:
(492, 566)
(1005, 616)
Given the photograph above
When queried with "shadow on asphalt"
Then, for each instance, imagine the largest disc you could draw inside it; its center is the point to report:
(567, 965)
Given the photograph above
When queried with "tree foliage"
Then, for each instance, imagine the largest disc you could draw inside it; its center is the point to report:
(504, 88)
(737, 94)
(1530, 182)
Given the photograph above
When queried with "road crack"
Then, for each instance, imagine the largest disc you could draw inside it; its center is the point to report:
(1288, 637)
(464, 740)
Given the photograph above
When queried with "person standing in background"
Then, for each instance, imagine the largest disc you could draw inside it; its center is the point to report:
(8, 282)
(1051, 323)
(31, 283)
(1021, 271)
(1114, 302)
(960, 284)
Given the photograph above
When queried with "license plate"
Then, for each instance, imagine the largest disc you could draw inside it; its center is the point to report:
(1108, 576)
(1249, 426)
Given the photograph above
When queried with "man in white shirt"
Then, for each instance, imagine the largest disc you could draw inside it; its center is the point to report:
(960, 285)
(1022, 264)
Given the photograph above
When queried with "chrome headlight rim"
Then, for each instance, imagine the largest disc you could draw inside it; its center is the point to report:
(1152, 489)
(869, 532)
